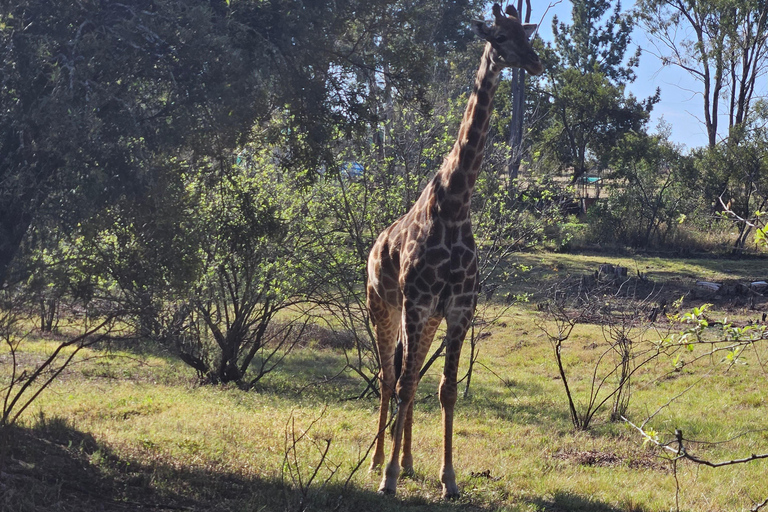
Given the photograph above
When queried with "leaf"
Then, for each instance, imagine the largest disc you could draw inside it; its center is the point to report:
(652, 435)
(760, 238)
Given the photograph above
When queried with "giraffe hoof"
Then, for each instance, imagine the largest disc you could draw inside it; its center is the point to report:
(407, 472)
(387, 492)
(450, 492)
(451, 496)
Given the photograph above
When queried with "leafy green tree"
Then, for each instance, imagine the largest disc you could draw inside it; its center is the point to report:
(588, 45)
(588, 109)
(649, 192)
(96, 96)
(102, 99)
(721, 44)
(735, 176)
(253, 267)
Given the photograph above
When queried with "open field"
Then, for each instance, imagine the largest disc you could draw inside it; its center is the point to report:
(130, 430)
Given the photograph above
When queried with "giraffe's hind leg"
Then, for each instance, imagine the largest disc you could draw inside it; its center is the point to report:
(387, 322)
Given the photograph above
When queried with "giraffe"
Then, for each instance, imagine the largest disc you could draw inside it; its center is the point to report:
(423, 268)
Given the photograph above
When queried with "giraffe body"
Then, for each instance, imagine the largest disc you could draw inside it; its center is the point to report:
(423, 268)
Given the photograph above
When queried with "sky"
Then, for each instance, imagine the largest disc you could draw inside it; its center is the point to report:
(681, 106)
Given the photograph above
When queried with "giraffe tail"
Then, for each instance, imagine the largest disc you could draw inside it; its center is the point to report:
(398, 371)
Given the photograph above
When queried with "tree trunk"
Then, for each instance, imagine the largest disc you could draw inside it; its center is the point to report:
(13, 226)
(516, 128)
(516, 123)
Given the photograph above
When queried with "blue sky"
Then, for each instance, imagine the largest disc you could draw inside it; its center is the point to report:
(681, 105)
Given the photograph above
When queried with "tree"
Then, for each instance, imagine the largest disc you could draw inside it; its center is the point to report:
(736, 175)
(101, 99)
(650, 189)
(584, 88)
(252, 269)
(517, 86)
(96, 97)
(720, 44)
(584, 300)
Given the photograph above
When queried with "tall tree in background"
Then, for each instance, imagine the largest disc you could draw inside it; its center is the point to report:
(101, 100)
(518, 112)
(584, 88)
(721, 44)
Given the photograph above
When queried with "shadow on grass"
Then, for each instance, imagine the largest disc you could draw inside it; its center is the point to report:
(135, 346)
(56, 467)
(490, 400)
(570, 502)
(317, 375)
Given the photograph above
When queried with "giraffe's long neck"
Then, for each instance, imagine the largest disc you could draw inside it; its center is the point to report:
(459, 171)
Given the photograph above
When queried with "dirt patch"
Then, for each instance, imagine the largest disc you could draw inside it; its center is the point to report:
(596, 458)
(486, 475)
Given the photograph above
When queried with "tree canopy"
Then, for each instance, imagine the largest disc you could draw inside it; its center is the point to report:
(721, 44)
(103, 100)
(584, 90)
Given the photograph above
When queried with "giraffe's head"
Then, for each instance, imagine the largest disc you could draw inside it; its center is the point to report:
(509, 39)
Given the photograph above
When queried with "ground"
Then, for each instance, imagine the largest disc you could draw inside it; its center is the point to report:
(130, 429)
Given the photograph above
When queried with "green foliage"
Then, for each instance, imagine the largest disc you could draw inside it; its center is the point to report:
(588, 110)
(96, 99)
(736, 178)
(249, 231)
(587, 45)
(102, 101)
(646, 194)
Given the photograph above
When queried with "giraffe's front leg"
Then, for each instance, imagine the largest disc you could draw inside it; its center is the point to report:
(455, 334)
(447, 401)
(406, 461)
(391, 474)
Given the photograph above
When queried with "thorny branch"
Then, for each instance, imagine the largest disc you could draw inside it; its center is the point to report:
(679, 451)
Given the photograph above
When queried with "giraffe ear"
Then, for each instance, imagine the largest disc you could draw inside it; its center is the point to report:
(529, 28)
(481, 29)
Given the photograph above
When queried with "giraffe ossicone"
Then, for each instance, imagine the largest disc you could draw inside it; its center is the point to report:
(423, 268)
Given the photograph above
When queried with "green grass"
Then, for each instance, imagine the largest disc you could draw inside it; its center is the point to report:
(131, 429)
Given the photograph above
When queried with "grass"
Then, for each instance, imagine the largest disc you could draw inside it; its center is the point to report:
(126, 429)
(548, 267)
